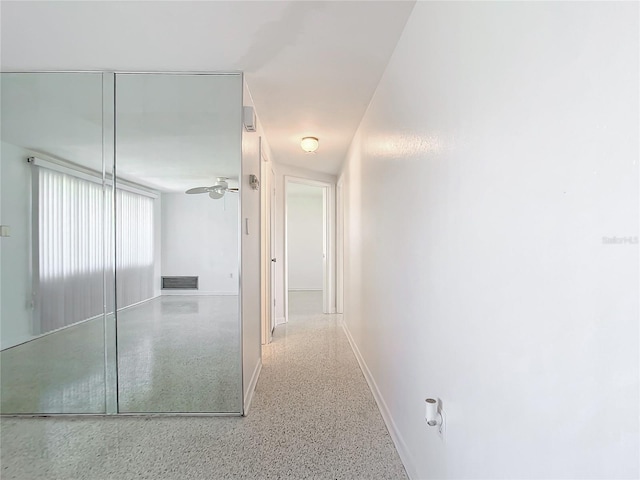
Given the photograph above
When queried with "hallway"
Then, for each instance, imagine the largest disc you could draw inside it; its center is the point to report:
(313, 416)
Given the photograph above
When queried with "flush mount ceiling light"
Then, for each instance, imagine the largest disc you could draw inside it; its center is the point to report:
(309, 144)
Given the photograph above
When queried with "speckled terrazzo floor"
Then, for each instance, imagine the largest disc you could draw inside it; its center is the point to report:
(313, 417)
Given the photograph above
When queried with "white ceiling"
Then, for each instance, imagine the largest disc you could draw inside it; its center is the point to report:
(312, 67)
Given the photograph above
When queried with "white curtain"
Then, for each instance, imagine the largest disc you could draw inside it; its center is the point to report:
(74, 248)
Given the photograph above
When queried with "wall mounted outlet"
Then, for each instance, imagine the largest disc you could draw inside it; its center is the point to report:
(434, 415)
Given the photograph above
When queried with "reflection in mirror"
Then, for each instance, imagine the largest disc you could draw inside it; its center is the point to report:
(178, 152)
(52, 257)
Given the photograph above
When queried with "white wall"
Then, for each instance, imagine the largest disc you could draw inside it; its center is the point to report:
(281, 171)
(15, 297)
(251, 293)
(304, 236)
(499, 149)
(200, 238)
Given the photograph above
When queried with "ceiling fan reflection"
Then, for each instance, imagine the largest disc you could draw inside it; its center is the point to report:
(215, 191)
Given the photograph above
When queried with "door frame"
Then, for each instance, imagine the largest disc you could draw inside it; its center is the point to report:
(340, 246)
(328, 242)
(267, 248)
(273, 253)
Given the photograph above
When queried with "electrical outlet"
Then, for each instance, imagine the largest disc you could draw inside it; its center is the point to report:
(434, 416)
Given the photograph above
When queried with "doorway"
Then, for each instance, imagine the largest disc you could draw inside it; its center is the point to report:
(309, 246)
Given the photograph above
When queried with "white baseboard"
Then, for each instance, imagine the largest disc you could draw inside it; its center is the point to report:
(280, 321)
(248, 397)
(401, 446)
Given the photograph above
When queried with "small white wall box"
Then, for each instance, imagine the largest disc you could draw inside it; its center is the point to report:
(432, 414)
(249, 119)
(5, 231)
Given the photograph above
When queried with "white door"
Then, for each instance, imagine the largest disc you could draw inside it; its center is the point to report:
(272, 245)
(267, 246)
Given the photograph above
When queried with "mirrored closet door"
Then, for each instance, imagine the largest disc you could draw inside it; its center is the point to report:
(119, 245)
(53, 251)
(178, 153)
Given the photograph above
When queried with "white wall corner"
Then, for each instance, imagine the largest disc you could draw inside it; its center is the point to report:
(248, 397)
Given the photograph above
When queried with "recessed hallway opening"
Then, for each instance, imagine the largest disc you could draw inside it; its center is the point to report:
(313, 417)
(308, 241)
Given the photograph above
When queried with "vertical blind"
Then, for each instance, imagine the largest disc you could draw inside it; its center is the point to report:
(134, 248)
(72, 253)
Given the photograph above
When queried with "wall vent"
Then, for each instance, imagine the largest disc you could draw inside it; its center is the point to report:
(179, 283)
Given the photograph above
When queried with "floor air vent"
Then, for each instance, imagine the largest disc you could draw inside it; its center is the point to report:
(179, 283)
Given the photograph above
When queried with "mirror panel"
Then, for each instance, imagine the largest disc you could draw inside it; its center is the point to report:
(71, 234)
(52, 249)
(177, 254)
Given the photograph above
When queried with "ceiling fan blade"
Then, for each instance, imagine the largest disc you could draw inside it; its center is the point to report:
(199, 190)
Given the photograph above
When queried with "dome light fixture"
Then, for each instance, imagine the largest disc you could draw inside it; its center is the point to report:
(309, 144)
